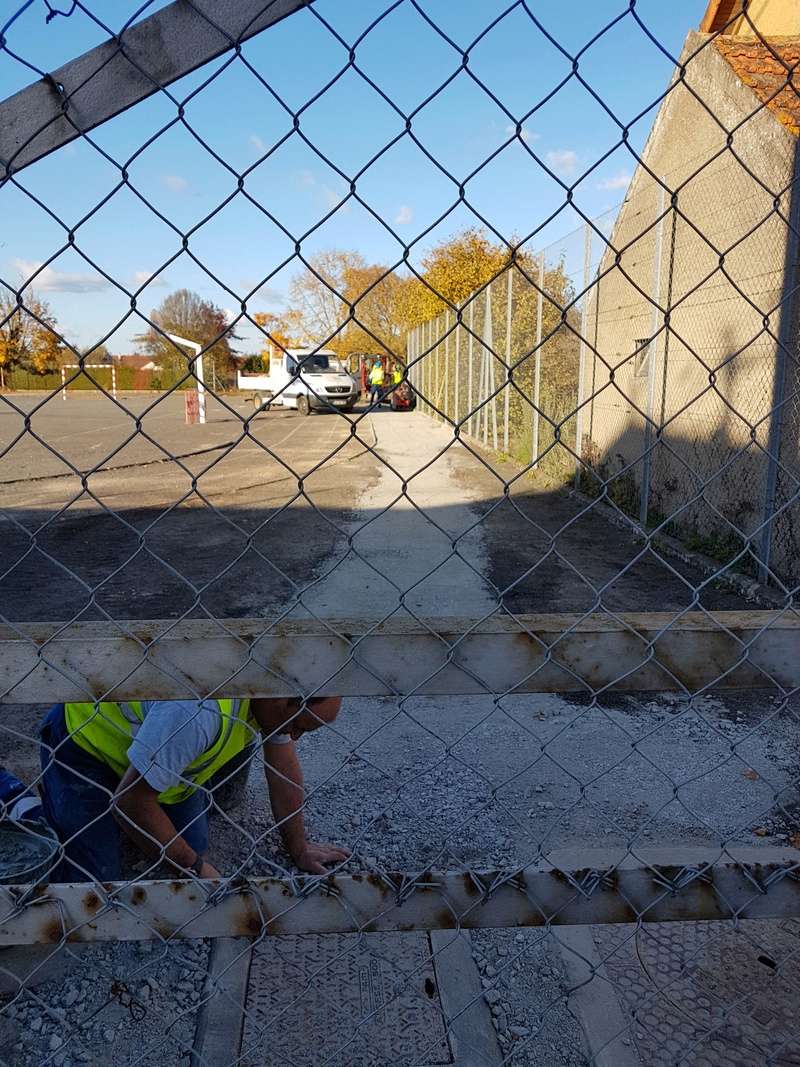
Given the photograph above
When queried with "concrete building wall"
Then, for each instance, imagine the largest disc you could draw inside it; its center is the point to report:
(723, 253)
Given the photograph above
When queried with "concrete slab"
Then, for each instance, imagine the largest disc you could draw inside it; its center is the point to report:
(473, 1038)
(593, 998)
(221, 1019)
(399, 540)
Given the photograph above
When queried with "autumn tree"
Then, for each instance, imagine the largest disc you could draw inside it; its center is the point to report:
(280, 331)
(186, 314)
(451, 272)
(29, 337)
(349, 305)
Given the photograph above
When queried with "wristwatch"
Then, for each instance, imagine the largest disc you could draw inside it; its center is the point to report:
(197, 866)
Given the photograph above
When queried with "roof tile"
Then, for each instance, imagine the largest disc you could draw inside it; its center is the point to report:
(771, 70)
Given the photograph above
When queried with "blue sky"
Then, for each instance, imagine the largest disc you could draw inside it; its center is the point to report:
(348, 126)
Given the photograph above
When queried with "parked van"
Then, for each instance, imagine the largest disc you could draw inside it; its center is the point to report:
(305, 379)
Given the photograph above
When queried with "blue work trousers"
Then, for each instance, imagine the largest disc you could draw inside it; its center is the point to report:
(76, 795)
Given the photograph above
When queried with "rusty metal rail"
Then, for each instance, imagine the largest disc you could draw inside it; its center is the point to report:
(747, 884)
(529, 653)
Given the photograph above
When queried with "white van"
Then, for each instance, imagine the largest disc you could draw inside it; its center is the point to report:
(305, 379)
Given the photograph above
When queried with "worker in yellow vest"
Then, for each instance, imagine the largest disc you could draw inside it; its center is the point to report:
(376, 382)
(145, 767)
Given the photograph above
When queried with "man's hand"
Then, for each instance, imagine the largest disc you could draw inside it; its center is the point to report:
(315, 857)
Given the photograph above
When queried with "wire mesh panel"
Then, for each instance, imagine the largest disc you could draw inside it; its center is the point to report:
(398, 659)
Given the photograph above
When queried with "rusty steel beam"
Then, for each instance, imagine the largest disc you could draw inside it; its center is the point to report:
(759, 884)
(532, 653)
(105, 81)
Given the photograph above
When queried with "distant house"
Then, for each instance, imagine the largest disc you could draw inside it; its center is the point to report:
(691, 376)
(135, 362)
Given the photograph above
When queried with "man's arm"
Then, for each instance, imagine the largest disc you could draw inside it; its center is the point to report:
(139, 814)
(287, 796)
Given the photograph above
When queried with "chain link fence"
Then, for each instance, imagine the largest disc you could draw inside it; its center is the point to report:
(687, 428)
(548, 804)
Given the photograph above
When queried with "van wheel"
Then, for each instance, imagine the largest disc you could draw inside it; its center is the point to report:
(303, 406)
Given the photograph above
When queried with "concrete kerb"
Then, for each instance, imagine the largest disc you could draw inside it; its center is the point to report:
(473, 1039)
(220, 1022)
(593, 1000)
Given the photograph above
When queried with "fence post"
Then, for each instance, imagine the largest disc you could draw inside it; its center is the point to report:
(652, 354)
(587, 261)
(445, 405)
(491, 379)
(537, 363)
(470, 406)
(507, 386)
(486, 339)
(786, 342)
(457, 369)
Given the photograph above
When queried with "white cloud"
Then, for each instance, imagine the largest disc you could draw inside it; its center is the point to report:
(332, 199)
(404, 216)
(257, 143)
(563, 161)
(175, 182)
(57, 281)
(621, 180)
(329, 196)
(526, 134)
(264, 293)
(144, 277)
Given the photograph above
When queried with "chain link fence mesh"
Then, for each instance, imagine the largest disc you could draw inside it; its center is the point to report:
(562, 785)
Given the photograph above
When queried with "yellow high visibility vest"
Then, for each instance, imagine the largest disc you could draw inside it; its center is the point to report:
(376, 375)
(106, 730)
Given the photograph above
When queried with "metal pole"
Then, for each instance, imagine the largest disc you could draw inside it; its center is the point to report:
(537, 363)
(488, 335)
(198, 370)
(470, 411)
(429, 367)
(483, 417)
(786, 342)
(652, 358)
(113, 381)
(446, 362)
(437, 392)
(507, 386)
(587, 259)
(457, 379)
(63, 384)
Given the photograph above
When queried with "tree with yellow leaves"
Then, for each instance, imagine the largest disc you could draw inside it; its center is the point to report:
(280, 332)
(28, 337)
(451, 272)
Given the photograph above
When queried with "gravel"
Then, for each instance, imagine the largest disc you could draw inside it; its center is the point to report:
(528, 996)
(452, 783)
(90, 1016)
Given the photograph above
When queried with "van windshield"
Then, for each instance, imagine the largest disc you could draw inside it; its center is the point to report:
(313, 364)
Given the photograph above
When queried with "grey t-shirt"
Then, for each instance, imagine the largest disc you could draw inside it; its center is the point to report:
(173, 734)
